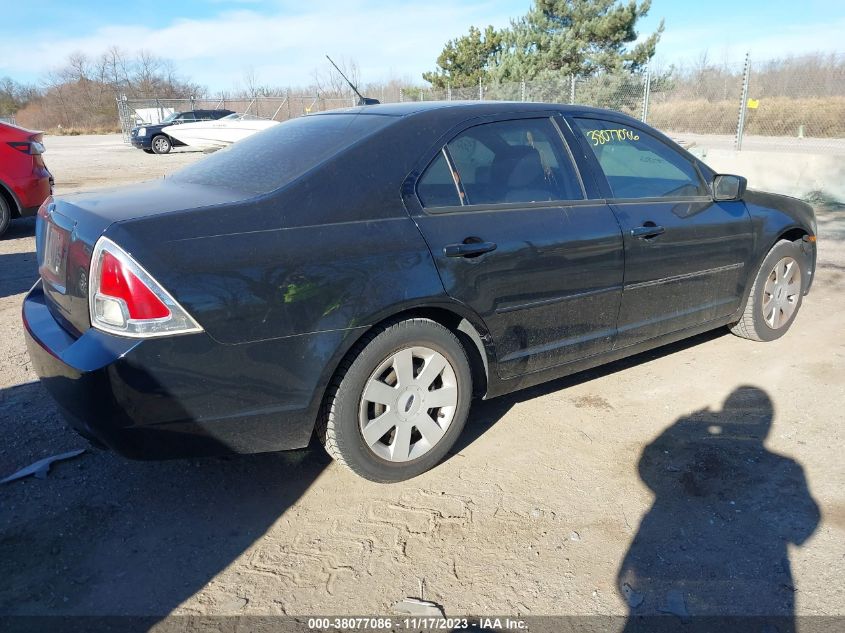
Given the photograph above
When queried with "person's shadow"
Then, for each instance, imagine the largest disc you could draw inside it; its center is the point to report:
(714, 546)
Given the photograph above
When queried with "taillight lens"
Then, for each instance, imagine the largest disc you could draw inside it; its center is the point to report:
(125, 299)
(45, 208)
(28, 147)
(117, 282)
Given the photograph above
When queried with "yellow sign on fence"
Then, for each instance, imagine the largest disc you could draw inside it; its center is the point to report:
(753, 104)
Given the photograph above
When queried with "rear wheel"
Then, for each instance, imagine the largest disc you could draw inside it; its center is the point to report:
(776, 295)
(399, 403)
(161, 144)
(5, 215)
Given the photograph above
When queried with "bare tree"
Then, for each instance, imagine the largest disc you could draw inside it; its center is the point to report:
(81, 92)
(251, 81)
(330, 84)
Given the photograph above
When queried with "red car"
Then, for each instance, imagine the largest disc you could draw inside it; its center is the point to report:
(25, 181)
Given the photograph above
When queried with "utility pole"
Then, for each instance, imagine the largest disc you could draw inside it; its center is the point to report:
(646, 94)
(743, 105)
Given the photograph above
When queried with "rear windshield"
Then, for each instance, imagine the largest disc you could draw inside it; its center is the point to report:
(275, 157)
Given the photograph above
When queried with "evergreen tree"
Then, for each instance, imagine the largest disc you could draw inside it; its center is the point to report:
(466, 59)
(555, 38)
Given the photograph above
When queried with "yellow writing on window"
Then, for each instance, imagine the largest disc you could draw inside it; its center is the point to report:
(600, 137)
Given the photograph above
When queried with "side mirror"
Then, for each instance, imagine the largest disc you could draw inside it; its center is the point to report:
(728, 187)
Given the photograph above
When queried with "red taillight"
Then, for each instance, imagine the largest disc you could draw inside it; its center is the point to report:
(21, 146)
(119, 283)
(32, 148)
(125, 299)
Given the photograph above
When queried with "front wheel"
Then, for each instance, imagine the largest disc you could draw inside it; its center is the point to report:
(161, 144)
(399, 403)
(776, 295)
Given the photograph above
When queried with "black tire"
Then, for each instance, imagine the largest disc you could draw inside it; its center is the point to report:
(149, 151)
(752, 324)
(5, 215)
(161, 144)
(338, 428)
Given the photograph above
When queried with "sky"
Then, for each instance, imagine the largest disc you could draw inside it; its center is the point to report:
(216, 43)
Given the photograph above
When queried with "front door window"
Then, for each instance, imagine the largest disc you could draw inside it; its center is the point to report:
(637, 164)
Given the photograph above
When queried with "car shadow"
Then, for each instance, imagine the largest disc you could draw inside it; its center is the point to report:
(18, 271)
(189, 150)
(485, 413)
(20, 227)
(105, 536)
(713, 548)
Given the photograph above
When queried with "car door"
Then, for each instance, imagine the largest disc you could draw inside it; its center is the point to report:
(503, 210)
(686, 256)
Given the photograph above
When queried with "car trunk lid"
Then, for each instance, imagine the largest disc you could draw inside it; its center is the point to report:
(68, 228)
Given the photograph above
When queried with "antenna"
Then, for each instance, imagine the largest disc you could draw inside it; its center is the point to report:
(362, 100)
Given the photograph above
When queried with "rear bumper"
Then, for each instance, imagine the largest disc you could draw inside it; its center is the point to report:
(178, 396)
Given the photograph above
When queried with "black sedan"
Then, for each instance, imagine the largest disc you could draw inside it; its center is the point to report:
(361, 275)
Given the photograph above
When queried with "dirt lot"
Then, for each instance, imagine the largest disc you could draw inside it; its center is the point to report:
(706, 477)
(81, 163)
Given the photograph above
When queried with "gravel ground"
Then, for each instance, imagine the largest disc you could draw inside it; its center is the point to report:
(82, 163)
(704, 477)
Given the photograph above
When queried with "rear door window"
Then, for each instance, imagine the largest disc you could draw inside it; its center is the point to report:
(637, 164)
(514, 161)
(437, 187)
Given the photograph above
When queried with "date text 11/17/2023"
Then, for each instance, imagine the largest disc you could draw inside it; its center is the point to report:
(417, 623)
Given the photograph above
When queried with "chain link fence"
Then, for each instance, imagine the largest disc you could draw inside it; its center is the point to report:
(132, 112)
(775, 106)
(763, 106)
(288, 105)
(787, 109)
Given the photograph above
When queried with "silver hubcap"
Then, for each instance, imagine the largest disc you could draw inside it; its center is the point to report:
(161, 144)
(408, 403)
(781, 293)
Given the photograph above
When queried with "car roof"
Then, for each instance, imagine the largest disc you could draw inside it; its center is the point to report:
(467, 108)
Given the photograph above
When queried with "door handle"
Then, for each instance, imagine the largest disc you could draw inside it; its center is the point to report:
(647, 230)
(468, 249)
